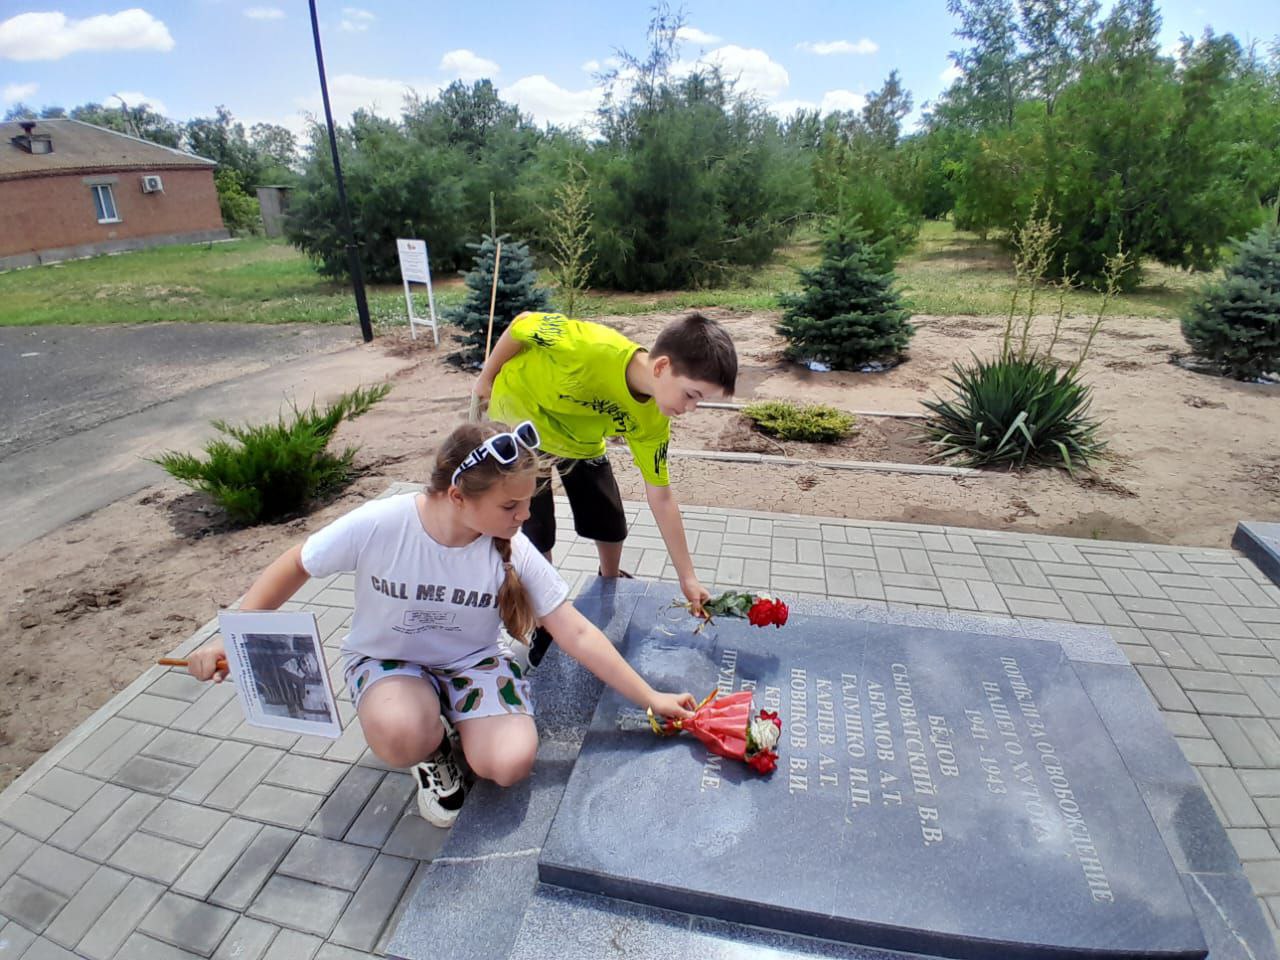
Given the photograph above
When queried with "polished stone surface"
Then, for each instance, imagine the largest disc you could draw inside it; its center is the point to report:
(1260, 542)
(938, 792)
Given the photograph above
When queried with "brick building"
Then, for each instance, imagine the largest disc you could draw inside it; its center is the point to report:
(71, 189)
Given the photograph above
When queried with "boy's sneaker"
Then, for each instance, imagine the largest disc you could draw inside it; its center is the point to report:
(440, 789)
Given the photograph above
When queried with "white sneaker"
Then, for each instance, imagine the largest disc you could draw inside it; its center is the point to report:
(440, 789)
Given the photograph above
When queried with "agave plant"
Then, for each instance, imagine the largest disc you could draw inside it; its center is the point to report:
(1014, 411)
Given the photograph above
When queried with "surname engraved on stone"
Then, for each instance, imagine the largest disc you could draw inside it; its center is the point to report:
(917, 758)
(724, 686)
(798, 724)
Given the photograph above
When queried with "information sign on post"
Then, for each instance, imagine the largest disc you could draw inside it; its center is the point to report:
(416, 268)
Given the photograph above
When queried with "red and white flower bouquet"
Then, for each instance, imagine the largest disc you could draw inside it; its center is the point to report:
(760, 609)
(726, 726)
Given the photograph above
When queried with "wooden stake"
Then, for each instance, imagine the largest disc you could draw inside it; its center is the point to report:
(474, 413)
(170, 662)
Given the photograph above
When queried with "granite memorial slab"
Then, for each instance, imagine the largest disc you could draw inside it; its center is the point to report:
(1260, 542)
(938, 792)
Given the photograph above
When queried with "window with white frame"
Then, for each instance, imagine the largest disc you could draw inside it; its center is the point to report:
(104, 203)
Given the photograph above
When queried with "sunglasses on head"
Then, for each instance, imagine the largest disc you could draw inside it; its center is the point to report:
(503, 447)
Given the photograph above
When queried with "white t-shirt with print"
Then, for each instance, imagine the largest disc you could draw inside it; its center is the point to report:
(416, 599)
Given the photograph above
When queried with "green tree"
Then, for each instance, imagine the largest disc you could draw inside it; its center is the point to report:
(277, 150)
(847, 312)
(517, 291)
(1235, 322)
(221, 138)
(140, 121)
(240, 212)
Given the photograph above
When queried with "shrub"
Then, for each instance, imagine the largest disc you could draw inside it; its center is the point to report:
(847, 312)
(1235, 322)
(811, 423)
(271, 471)
(517, 291)
(240, 212)
(1015, 411)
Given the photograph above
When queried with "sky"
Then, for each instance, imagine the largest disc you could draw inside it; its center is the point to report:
(186, 57)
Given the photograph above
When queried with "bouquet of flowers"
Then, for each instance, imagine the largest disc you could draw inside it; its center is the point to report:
(725, 725)
(759, 609)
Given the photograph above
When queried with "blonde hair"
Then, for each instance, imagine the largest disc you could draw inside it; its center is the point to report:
(514, 606)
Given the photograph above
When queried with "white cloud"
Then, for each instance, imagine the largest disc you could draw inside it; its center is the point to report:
(694, 35)
(785, 108)
(466, 65)
(824, 48)
(349, 92)
(13, 92)
(834, 100)
(52, 36)
(264, 13)
(950, 75)
(591, 66)
(551, 103)
(135, 98)
(356, 20)
(753, 69)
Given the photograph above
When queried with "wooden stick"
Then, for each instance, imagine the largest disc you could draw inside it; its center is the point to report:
(473, 414)
(171, 662)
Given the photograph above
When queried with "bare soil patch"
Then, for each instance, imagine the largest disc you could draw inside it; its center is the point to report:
(88, 607)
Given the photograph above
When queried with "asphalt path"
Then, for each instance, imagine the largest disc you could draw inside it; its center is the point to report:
(82, 408)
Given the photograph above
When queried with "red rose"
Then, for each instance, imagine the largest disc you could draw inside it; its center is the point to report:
(766, 761)
(780, 612)
(771, 715)
(761, 613)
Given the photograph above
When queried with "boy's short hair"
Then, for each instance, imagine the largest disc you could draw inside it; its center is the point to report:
(699, 348)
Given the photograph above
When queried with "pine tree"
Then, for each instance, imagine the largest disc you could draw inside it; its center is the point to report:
(1235, 322)
(517, 292)
(847, 313)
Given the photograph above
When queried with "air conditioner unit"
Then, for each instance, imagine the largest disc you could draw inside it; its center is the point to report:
(152, 184)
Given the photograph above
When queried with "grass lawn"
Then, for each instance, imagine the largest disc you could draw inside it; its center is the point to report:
(267, 281)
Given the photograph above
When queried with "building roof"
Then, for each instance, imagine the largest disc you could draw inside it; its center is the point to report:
(80, 147)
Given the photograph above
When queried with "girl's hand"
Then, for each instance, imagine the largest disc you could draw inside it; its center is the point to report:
(203, 664)
(673, 706)
(696, 594)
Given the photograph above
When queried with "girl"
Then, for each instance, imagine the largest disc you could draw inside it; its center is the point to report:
(436, 575)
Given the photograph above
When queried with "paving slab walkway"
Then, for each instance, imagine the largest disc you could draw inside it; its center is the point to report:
(164, 828)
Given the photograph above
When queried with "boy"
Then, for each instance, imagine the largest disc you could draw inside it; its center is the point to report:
(580, 382)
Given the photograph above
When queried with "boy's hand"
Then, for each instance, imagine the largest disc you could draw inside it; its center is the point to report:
(482, 388)
(696, 594)
(203, 664)
(673, 706)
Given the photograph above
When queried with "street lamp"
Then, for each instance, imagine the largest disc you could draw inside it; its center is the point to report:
(353, 256)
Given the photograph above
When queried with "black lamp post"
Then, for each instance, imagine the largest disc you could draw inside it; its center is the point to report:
(353, 257)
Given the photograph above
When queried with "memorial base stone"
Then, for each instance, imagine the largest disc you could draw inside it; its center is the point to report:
(949, 785)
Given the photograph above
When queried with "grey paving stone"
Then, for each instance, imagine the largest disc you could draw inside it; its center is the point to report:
(1030, 573)
(248, 939)
(187, 923)
(1012, 551)
(66, 788)
(1270, 808)
(184, 822)
(1040, 611)
(1207, 680)
(148, 708)
(14, 938)
(177, 746)
(1251, 666)
(917, 561)
(1038, 594)
(1201, 654)
(1141, 653)
(1235, 743)
(365, 917)
(1252, 843)
(120, 824)
(382, 812)
(29, 904)
(1264, 875)
(84, 909)
(236, 786)
(348, 747)
(1202, 752)
(961, 543)
(225, 722)
(345, 803)
(1119, 561)
(280, 806)
(729, 570)
(200, 713)
(130, 742)
(63, 873)
(1079, 606)
(33, 816)
(957, 593)
(299, 905)
(150, 775)
(152, 857)
(911, 595)
(332, 951)
(1238, 808)
(14, 853)
(210, 773)
(1228, 704)
(889, 560)
(42, 949)
(1170, 650)
(1165, 688)
(246, 877)
(1148, 605)
(177, 684)
(292, 945)
(89, 749)
(5, 834)
(1261, 783)
(1113, 615)
(141, 947)
(783, 550)
(328, 862)
(987, 596)
(1185, 724)
(212, 863)
(1262, 734)
(1262, 694)
(915, 580)
(415, 839)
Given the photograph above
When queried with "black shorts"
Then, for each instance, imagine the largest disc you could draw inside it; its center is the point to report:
(593, 498)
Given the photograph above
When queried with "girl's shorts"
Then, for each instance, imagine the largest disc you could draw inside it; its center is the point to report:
(494, 687)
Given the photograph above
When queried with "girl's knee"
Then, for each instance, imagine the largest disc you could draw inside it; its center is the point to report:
(507, 766)
(402, 744)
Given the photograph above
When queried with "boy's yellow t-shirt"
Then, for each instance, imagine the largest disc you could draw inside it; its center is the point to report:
(571, 381)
